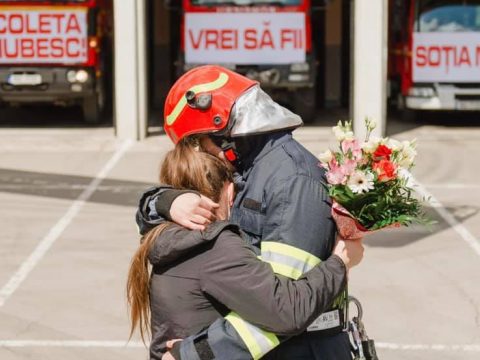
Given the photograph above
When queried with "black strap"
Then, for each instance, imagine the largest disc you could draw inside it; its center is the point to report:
(203, 348)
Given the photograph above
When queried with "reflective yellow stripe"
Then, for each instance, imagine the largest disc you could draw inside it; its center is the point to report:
(258, 341)
(211, 86)
(246, 336)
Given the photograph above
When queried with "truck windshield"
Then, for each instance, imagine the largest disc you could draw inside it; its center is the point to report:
(246, 2)
(448, 16)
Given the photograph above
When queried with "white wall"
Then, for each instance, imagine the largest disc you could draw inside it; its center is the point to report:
(370, 64)
(130, 69)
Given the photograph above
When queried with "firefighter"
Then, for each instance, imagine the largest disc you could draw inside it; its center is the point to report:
(194, 272)
(281, 206)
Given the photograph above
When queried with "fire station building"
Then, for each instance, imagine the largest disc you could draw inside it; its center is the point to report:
(350, 42)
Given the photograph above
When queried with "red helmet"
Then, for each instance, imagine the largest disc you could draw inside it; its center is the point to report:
(201, 101)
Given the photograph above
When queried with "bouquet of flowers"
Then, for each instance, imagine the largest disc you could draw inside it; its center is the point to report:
(368, 182)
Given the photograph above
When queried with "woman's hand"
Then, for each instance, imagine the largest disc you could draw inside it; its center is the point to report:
(350, 251)
(193, 211)
(167, 355)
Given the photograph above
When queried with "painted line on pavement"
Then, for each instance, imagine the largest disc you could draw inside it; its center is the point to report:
(466, 235)
(56, 231)
(426, 347)
(71, 344)
(139, 344)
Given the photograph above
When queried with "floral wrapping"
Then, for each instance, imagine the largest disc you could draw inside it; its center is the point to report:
(348, 227)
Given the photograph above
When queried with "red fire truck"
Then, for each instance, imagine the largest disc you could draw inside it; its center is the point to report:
(266, 40)
(56, 52)
(435, 54)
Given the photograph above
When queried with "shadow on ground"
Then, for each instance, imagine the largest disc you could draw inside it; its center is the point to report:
(409, 235)
(127, 193)
(111, 192)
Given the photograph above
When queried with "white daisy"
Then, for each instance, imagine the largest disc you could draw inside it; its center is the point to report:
(360, 182)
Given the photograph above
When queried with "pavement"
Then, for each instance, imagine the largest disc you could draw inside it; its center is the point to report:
(69, 194)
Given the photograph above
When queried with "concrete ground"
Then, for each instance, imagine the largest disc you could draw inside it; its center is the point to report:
(68, 196)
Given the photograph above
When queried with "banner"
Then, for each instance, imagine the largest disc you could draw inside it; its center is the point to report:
(47, 35)
(245, 38)
(446, 57)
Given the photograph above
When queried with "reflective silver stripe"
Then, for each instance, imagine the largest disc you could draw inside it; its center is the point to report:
(300, 266)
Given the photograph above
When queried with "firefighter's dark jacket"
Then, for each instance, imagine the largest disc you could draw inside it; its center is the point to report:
(284, 210)
(199, 277)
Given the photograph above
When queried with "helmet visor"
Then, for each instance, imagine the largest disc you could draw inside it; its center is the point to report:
(255, 113)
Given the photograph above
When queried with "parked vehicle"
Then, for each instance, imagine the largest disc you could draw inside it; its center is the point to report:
(56, 52)
(266, 40)
(435, 54)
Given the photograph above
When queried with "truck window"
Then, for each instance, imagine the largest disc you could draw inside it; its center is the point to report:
(246, 2)
(448, 16)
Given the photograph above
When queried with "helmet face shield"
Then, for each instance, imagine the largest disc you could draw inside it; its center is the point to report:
(255, 112)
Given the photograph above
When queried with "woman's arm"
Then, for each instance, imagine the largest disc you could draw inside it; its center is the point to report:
(249, 287)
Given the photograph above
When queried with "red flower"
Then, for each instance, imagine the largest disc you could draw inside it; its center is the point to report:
(385, 169)
(382, 152)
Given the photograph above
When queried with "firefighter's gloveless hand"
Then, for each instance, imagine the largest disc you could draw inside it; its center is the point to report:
(193, 211)
(350, 251)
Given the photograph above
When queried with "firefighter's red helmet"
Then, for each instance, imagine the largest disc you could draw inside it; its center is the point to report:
(201, 101)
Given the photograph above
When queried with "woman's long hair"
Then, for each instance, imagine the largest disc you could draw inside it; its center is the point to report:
(184, 167)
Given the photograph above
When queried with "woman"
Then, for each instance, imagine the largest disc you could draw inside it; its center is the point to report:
(202, 276)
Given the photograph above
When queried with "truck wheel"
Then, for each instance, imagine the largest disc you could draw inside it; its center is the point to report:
(91, 110)
(304, 104)
(93, 106)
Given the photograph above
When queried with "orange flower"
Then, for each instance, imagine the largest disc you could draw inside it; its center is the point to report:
(385, 169)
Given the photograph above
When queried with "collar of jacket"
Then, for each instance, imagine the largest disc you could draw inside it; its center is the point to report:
(176, 241)
(253, 148)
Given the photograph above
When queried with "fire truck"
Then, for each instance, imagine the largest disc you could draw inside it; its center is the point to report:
(56, 52)
(266, 40)
(434, 61)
